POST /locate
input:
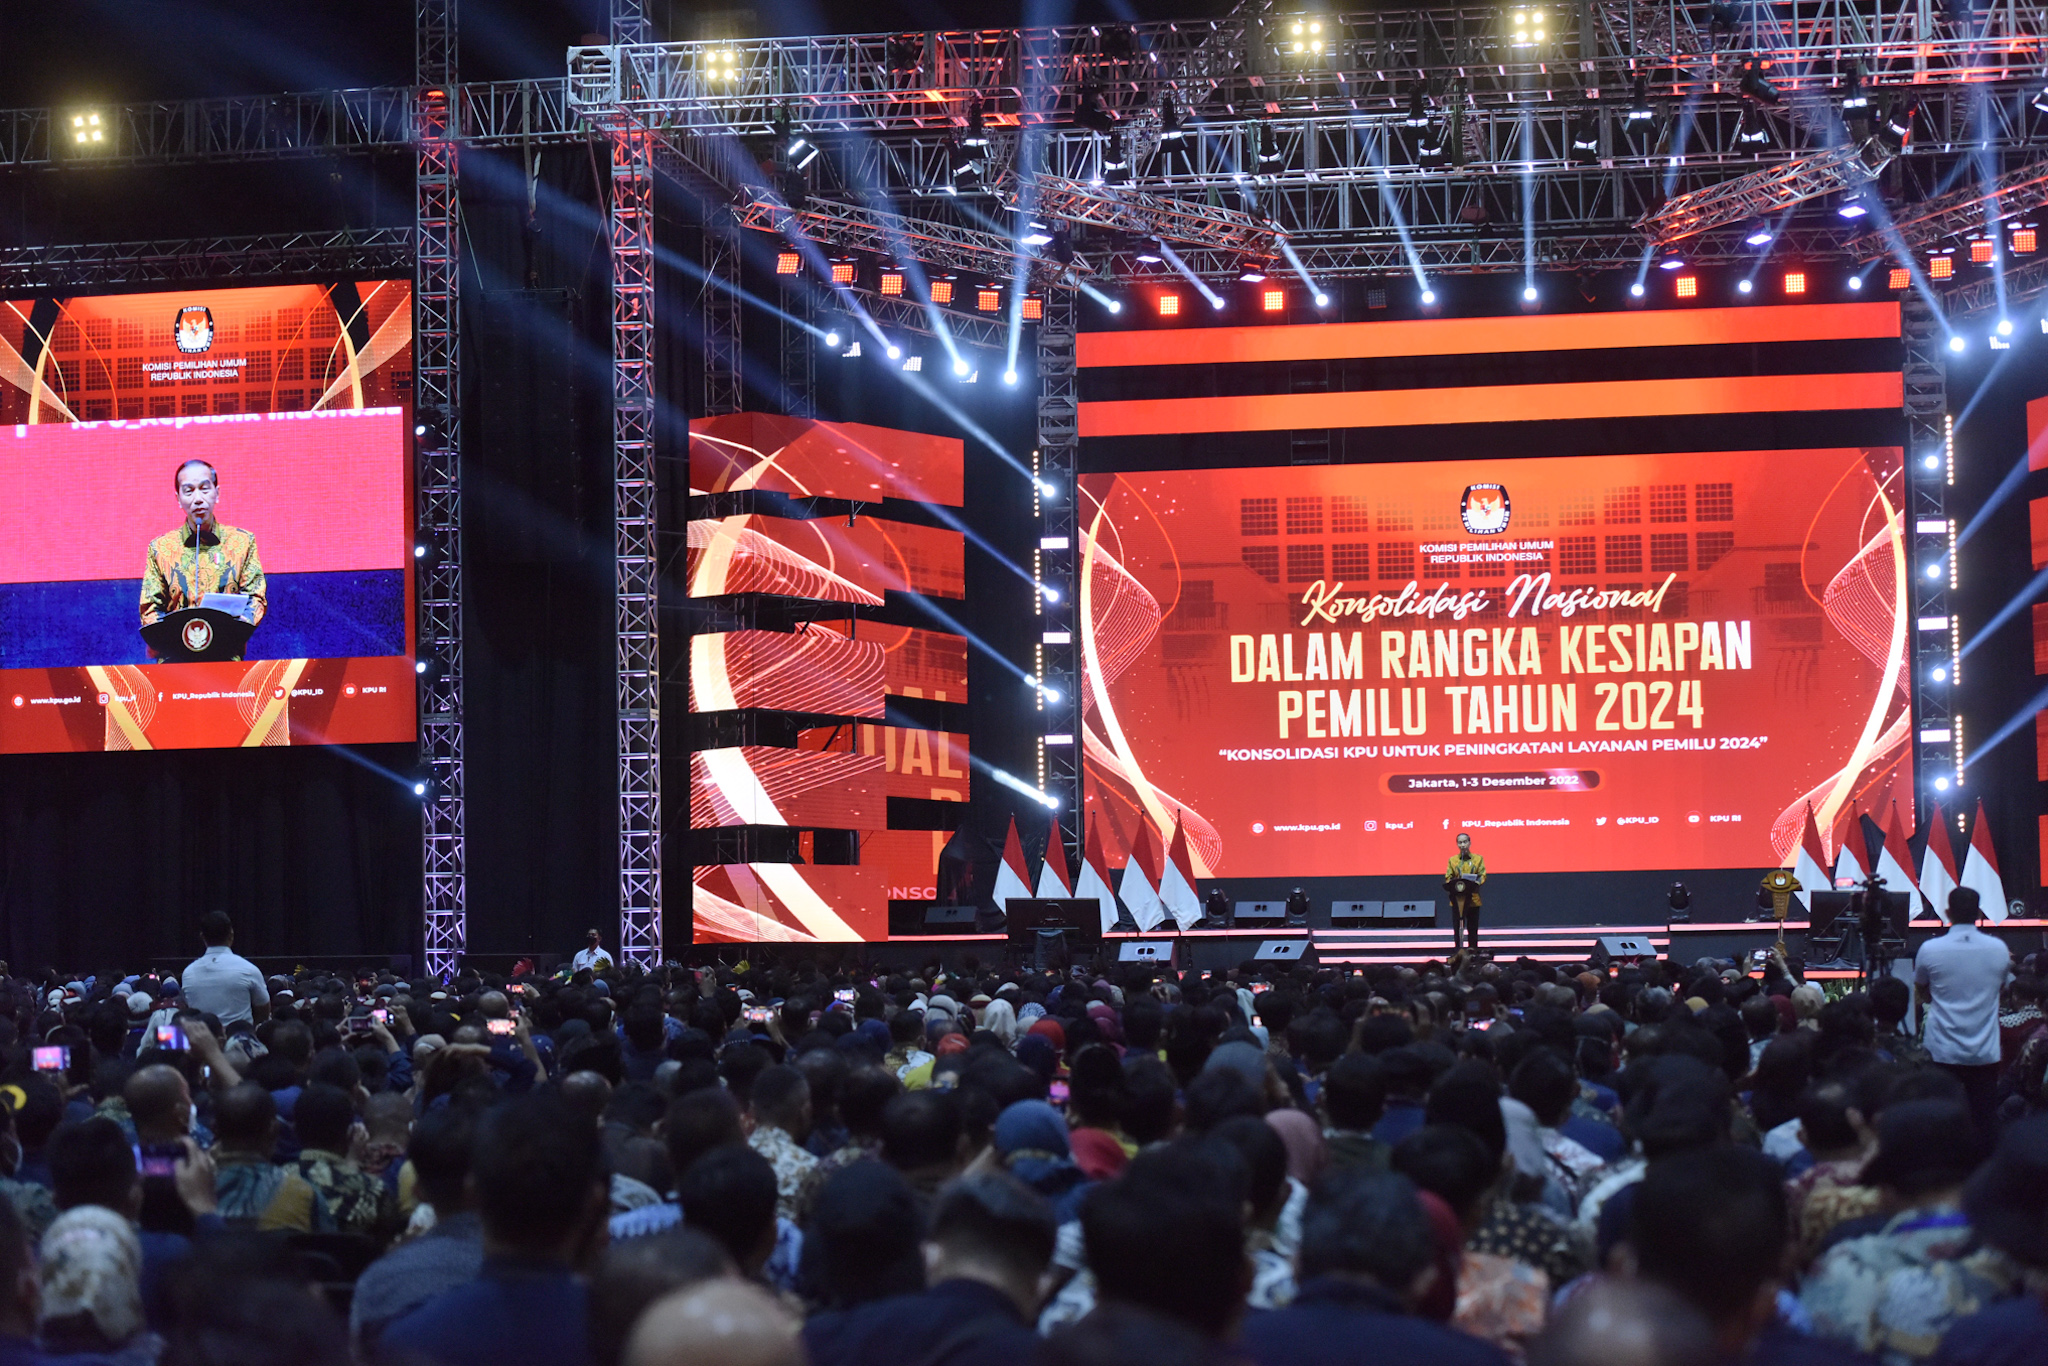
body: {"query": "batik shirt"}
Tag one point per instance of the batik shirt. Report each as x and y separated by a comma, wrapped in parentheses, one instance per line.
(1470, 867)
(1893, 1294)
(177, 574)
(357, 1201)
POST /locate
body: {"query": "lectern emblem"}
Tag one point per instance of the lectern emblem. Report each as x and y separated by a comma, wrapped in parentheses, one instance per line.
(1484, 509)
(198, 634)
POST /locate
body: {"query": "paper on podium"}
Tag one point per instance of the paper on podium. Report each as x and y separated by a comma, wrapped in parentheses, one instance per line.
(238, 605)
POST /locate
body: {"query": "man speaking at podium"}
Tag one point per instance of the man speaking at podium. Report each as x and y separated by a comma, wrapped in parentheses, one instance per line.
(201, 556)
(1463, 877)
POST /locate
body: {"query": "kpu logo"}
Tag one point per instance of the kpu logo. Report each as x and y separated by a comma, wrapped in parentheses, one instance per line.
(1484, 509)
(194, 329)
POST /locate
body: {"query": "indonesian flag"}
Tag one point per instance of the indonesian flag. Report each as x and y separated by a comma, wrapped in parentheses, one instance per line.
(1938, 865)
(1810, 866)
(1053, 882)
(1853, 841)
(1093, 883)
(1895, 858)
(1980, 868)
(1140, 889)
(1177, 881)
(1012, 879)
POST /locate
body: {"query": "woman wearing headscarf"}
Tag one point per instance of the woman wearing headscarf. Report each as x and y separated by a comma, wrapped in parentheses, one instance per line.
(1031, 1141)
(92, 1289)
(999, 1018)
(1307, 1155)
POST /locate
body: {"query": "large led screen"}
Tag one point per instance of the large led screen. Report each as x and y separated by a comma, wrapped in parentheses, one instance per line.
(1592, 662)
(218, 547)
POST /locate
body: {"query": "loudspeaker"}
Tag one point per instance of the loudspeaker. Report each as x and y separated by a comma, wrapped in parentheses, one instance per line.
(1283, 951)
(1260, 912)
(958, 919)
(1356, 912)
(1424, 911)
(1158, 951)
(1627, 946)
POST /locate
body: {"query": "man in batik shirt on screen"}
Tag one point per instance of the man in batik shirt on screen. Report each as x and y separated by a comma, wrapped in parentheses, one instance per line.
(201, 556)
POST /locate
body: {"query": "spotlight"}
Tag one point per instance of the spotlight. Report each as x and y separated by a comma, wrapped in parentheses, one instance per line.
(1940, 674)
(977, 127)
(1639, 108)
(1855, 282)
(1941, 784)
(1672, 263)
(1433, 146)
(1009, 376)
(961, 367)
(1930, 462)
(1636, 290)
(894, 352)
(1148, 253)
(1036, 234)
(1897, 129)
(1171, 134)
(431, 669)
(1852, 204)
(89, 128)
(1525, 27)
(1744, 287)
(1428, 296)
(1048, 489)
(963, 169)
(2040, 100)
(1855, 100)
(1529, 294)
(428, 789)
(1758, 234)
(1586, 136)
(1755, 84)
(1418, 108)
(1957, 344)
(831, 339)
(1250, 273)
(1933, 571)
(1305, 40)
(1322, 300)
(1752, 130)
(1269, 145)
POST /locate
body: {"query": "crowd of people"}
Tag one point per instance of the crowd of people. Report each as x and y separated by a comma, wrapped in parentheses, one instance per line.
(1658, 1164)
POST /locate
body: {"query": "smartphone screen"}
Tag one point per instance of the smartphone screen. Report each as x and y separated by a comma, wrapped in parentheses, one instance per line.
(844, 994)
(498, 1026)
(52, 1058)
(1058, 1093)
(158, 1159)
(172, 1037)
(757, 1014)
(381, 1015)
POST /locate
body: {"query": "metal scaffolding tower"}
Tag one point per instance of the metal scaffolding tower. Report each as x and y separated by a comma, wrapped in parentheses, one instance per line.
(437, 410)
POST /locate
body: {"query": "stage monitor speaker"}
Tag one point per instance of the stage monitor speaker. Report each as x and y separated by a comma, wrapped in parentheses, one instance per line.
(1284, 951)
(1158, 951)
(1357, 912)
(949, 919)
(1627, 946)
(1424, 911)
(1258, 913)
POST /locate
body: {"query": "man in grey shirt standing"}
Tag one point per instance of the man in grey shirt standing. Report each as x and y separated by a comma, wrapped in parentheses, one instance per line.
(1960, 975)
(222, 983)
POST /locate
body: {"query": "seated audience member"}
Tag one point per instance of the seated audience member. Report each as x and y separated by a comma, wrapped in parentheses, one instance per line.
(862, 1243)
(990, 1242)
(1352, 1098)
(1709, 1224)
(632, 1275)
(1366, 1260)
(254, 1192)
(542, 1192)
(1125, 1335)
(1831, 1190)
(1499, 1299)
(2007, 1206)
(924, 1138)
(723, 1322)
(92, 1289)
(449, 1254)
(781, 1103)
(1616, 1322)
(1177, 1197)
(30, 1200)
(356, 1201)
(863, 1096)
(730, 1194)
(1893, 1293)
(20, 1293)
(1265, 1160)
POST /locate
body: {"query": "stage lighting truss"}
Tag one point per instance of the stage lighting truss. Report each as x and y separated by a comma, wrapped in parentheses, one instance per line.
(1963, 210)
(939, 246)
(1765, 193)
(1139, 214)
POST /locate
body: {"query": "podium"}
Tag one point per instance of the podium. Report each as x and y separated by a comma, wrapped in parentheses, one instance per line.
(197, 635)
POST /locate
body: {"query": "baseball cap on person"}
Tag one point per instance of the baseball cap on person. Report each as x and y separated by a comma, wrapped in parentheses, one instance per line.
(140, 1003)
(1922, 1146)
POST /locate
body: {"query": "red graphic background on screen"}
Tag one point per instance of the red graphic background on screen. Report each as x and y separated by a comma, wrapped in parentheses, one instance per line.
(1659, 663)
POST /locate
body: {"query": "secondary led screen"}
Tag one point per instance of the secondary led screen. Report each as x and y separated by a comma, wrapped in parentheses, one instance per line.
(218, 551)
(1592, 662)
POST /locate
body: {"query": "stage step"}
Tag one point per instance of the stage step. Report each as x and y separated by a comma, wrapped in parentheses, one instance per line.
(1543, 944)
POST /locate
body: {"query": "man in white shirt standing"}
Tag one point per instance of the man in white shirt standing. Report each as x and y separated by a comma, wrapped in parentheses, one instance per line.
(592, 955)
(222, 983)
(1960, 975)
